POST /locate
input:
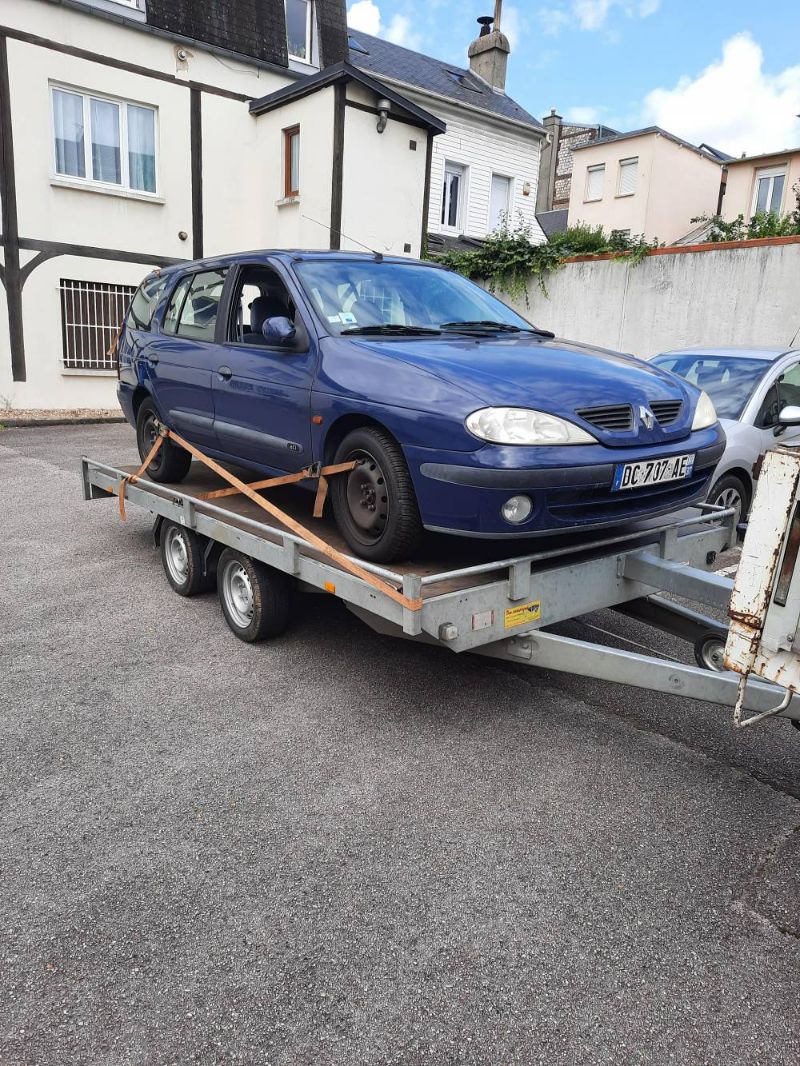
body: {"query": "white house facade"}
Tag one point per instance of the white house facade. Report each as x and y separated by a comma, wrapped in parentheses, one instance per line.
(133, 136)
(485, 167)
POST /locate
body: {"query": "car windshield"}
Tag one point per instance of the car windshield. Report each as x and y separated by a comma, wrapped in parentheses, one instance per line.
(728, 380)
(398, 299)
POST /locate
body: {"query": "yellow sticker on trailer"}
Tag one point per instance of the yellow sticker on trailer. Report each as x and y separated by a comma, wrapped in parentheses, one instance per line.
(525, 612)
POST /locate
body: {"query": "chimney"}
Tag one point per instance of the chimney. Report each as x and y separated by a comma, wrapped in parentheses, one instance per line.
(488, 53)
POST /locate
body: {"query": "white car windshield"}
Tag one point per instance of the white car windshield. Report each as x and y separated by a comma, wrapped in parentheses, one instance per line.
(729, 381)
(380, 297)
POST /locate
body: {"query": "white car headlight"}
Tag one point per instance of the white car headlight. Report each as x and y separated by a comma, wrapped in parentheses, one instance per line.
(519, 425)
(704, 415)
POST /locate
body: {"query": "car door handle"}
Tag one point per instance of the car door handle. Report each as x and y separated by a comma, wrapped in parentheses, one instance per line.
(225, 372)
(151, 359)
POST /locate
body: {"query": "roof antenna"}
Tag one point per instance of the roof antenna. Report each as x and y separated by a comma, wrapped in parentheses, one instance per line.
(377, 255)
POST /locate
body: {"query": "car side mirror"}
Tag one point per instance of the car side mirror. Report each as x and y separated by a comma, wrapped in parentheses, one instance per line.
(279, 330)
(789, 416)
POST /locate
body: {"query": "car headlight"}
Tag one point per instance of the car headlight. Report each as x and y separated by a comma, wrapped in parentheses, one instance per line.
(704, 414)
(519, 425)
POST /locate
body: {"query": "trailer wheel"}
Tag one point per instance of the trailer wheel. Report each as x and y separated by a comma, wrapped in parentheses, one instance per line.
(254, 598)
(182, 558)
(709, 652)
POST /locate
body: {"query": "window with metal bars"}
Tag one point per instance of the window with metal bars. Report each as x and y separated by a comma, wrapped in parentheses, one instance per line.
(91, 313)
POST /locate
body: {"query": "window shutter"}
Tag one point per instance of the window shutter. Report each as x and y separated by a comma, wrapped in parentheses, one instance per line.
(628, 170)
(594, 182)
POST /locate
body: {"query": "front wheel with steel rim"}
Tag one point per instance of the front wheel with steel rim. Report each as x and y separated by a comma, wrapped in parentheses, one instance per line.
(183, 559)
(254, 598)
(375, 504)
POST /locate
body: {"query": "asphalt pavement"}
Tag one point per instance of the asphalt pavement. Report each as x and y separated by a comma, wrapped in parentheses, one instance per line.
(338, 848)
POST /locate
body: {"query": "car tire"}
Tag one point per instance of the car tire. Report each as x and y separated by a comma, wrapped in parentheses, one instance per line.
(182, 556)
(254, 598)
(171, 463)
(375, 505)
(729, 491)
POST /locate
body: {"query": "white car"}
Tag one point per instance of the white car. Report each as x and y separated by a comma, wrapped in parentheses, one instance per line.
(752, 388)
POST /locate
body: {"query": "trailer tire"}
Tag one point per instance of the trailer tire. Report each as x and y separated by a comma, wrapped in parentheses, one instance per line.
(254, 598)
(709, 652)
(375, 505)
(182, 556)
(172, 462)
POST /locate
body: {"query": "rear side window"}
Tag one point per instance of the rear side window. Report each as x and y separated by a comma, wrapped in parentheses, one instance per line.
(144, 302)
(194, 306)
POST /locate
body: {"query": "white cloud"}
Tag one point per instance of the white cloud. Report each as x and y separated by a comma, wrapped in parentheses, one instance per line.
(733, 104)
(365, 15)
(513, 25)
(592, 14)
(588, 116)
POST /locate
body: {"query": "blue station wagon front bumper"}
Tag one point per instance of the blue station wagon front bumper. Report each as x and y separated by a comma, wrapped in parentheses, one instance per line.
(570, 487)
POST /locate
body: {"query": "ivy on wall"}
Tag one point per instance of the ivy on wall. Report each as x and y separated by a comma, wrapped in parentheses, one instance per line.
(508, 259)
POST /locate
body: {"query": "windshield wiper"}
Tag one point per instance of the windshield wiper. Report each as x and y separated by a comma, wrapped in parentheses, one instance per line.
(390, 329)
(486, 325)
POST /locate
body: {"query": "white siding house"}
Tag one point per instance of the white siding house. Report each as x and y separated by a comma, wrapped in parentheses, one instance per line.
(485, 167)
(125, 146)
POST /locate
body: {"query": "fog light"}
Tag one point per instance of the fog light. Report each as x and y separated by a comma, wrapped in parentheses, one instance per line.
(517, 509)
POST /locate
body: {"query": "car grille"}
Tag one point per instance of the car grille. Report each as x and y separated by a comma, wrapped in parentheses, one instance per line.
(666, 411)
(614, 417)
(577, 506)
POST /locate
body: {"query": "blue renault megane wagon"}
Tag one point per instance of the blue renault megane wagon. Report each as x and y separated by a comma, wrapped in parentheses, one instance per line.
(464, 418)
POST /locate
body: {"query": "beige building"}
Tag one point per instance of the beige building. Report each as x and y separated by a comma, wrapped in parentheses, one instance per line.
(646, 182)
(762, 183)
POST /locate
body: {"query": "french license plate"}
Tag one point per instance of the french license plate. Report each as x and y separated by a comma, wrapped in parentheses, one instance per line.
(652, 472)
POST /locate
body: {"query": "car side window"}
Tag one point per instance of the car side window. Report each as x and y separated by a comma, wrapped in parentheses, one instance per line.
(261, 294)
(197, 320)
(176, 305)
(144, 302)
(784, 391)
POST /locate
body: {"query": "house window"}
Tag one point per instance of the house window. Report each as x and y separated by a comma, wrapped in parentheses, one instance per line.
(499, 201)
(91, 312)
(452, 194)
(595, 181)
(104, 141)
(768, 194)
(628, 174)
(291, 161)
(298, 29)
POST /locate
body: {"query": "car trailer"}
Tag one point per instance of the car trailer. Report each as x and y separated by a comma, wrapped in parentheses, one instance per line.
(499, 606)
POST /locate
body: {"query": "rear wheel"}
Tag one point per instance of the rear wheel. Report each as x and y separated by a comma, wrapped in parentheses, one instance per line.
(171, 462)
(182, 556)
(254, 598)
(375, 504)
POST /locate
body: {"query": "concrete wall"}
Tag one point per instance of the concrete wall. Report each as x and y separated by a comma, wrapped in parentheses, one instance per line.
(674, 185)
(740, 190)
(725, 296)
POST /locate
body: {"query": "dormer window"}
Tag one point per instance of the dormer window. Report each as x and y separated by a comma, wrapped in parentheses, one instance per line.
(298, 29)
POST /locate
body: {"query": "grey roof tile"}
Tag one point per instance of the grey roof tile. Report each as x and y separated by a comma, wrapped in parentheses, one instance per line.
(382, 58)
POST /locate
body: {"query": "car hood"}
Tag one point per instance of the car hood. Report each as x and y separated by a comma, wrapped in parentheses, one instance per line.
(557, 376)
(528, 370)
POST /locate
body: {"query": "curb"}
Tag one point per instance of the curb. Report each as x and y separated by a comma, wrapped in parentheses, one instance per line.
(32, 423)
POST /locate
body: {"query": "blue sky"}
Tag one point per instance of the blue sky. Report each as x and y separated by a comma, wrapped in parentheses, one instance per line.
(722, 71)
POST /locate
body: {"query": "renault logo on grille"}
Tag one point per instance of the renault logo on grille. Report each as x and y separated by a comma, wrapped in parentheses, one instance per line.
(647, 417)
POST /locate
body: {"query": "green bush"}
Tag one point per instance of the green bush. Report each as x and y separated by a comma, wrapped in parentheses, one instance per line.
(761, 224)
(508, 258)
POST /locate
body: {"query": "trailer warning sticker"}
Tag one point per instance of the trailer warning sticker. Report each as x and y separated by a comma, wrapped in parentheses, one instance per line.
(525, 612)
